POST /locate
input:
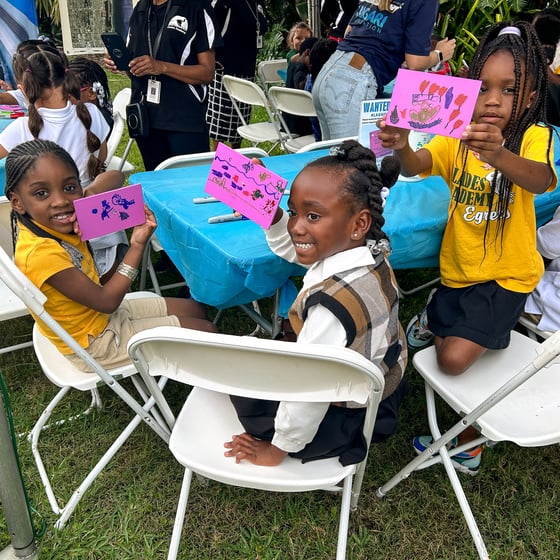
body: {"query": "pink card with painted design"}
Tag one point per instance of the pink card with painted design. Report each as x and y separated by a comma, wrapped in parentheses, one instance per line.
(111, 211)
(434, 103)
(246, 187)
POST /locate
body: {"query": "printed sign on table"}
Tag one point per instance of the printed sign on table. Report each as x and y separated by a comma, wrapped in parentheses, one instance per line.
(248, 188)
(372, 111)
(112, 211)
(432, 103)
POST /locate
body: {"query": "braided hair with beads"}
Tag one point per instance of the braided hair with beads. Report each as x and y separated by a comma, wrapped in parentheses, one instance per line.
(530, 68)
(355, 168)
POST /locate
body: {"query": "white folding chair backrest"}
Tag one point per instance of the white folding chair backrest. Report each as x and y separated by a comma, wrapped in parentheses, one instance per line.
(115, 135)
(218, 365)
(509, 394)
(63, 374)
(202, 158)
(322, 144)
(11, 307)
(291, 100)
(120, 101)
(245, 91)
(269, 71)
(295, 102)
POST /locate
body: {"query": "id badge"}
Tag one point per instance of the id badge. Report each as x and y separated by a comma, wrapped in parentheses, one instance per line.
(259, 41)
(154, 90)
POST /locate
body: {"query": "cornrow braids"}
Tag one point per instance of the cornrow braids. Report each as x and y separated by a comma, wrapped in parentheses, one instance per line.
(361, 181)
(19, 162)
(530, 69)
(40, 68)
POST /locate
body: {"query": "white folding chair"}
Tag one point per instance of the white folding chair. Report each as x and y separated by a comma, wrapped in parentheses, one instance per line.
(121, 100)
(11, 307)
(270, 72)
(323, 144)
(532, 330)
(245, 91)
(504, 402)
(218, 365)
(174, 162)
(64, 375)
(295, 102)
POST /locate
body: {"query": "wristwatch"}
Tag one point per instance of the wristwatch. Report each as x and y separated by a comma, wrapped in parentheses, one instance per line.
(439, 55)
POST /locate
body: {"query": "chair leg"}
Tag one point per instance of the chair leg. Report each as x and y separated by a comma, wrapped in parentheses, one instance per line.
(180, 516)
(344, 519)
(41, 424)
(438, 453)
(34, 440)
(71, 504)
(464, 505)
(15, 347)
(148, 267)
(403, 293)
(126, 152)
(102, 463)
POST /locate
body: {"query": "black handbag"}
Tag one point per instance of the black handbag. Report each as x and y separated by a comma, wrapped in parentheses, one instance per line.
(137, 119)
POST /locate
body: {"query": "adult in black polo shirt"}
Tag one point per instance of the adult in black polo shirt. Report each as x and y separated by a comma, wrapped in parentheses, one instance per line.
(172, 43)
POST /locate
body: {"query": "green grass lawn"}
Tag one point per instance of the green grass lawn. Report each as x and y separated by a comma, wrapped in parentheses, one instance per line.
(128, 513)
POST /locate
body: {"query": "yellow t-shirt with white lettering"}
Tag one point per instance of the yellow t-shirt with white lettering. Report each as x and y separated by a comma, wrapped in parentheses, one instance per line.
(40, 258)
(465, 258)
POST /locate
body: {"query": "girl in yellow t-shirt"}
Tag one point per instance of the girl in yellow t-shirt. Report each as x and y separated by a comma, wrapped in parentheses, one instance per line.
(488, 259)
(42, 183)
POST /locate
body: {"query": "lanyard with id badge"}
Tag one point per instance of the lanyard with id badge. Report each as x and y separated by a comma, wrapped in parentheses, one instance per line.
(153, 93)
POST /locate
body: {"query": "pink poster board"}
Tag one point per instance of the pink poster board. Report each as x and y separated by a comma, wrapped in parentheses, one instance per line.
(111, 211)
(432, 103)
(246, 187)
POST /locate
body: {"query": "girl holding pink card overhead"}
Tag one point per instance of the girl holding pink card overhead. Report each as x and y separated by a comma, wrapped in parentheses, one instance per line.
(488, 260)
(42, 183)
(381, 36)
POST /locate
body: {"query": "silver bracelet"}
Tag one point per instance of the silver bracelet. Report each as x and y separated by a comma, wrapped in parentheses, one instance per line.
(129, 271)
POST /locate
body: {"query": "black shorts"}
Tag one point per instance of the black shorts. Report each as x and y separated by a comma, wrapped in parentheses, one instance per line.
(482, 313)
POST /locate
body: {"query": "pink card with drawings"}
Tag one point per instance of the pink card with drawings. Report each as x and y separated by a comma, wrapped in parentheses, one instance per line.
(111, 211)
(248, 188)
(433, 103)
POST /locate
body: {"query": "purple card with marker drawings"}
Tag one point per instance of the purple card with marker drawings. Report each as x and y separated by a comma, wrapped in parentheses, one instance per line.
(110, 211)
(248, 188)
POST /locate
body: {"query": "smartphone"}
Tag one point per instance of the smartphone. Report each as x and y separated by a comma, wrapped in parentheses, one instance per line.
(117, 49)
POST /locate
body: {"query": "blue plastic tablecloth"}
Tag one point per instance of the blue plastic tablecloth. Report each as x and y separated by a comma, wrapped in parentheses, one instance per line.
(229, 264)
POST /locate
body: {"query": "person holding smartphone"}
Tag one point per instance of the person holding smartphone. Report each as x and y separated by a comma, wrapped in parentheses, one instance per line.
(172, 44)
